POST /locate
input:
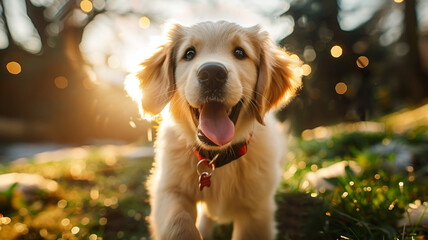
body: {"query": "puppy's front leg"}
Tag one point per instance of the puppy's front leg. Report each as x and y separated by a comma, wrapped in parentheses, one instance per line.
(255, 224)
(173, 217)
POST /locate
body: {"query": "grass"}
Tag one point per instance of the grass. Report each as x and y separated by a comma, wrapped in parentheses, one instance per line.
(367, 205)
(104, 197)
(96, 199)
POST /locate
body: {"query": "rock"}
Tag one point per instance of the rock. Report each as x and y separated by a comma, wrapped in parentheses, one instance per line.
(27, 184)
(414, 212)
(316, 179)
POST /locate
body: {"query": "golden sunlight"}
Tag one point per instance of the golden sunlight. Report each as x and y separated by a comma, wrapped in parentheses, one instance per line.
(132, 87)
(199, 207)
(132, 83)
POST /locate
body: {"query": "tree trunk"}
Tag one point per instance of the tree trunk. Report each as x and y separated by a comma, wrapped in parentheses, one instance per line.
(417, 79)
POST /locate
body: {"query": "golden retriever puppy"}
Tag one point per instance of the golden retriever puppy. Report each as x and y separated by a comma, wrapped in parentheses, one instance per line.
(218, 148)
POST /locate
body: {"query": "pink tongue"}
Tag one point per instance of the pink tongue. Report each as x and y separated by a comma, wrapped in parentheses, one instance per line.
(215, 123)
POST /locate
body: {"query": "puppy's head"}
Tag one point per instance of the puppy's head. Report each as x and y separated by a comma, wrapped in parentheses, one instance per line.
(219, 79)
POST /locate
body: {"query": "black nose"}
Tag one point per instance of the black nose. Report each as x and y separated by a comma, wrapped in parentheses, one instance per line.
(212, 75)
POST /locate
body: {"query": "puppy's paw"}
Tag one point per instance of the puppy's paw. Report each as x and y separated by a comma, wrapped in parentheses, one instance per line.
(182, 227)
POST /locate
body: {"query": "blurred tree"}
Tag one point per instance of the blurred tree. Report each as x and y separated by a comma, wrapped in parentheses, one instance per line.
(53, 96)
(354, 73)
(418, 87)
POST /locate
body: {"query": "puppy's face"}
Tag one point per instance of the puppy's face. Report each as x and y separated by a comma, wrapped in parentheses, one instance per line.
(216, 72)
(219, 77)
(216, 64)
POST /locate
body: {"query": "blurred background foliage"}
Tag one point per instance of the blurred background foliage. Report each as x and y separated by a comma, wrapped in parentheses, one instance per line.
(358, 185)
(357, 168)
(48, 90)
(363, 59)
(357, 72)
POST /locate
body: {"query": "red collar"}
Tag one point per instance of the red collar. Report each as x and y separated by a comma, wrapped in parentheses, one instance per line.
(224, 156)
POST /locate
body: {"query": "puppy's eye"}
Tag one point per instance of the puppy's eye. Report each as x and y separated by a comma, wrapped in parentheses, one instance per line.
(189, 54)
(239, 53)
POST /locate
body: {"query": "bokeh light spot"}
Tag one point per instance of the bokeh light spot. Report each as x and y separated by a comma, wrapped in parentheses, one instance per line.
(61, 82)
(95, 194)
(62, 203)
(314, 167)
(123, 188)
(93, 237)
(13, 68)
(362, 62)
(86, 6)
(21, 228)
(341, 88)
(144, 22)
(306, 69)
(309, 54)
(99, 4)
(85, 221)
(132, 124)
(44, 233)
(5, 220)
(336, 51)
(65, 222)
(75, 230)
(88, 84)
(102, 221)
(295, 57)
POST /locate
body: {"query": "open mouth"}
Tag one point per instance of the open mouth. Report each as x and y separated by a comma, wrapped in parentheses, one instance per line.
(216, 123)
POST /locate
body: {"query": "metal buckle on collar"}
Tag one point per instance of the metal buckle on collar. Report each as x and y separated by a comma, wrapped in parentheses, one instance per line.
(205, 176)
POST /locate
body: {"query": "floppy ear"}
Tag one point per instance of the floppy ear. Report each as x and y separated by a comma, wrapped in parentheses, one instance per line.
(277, 82)
(157, 76)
